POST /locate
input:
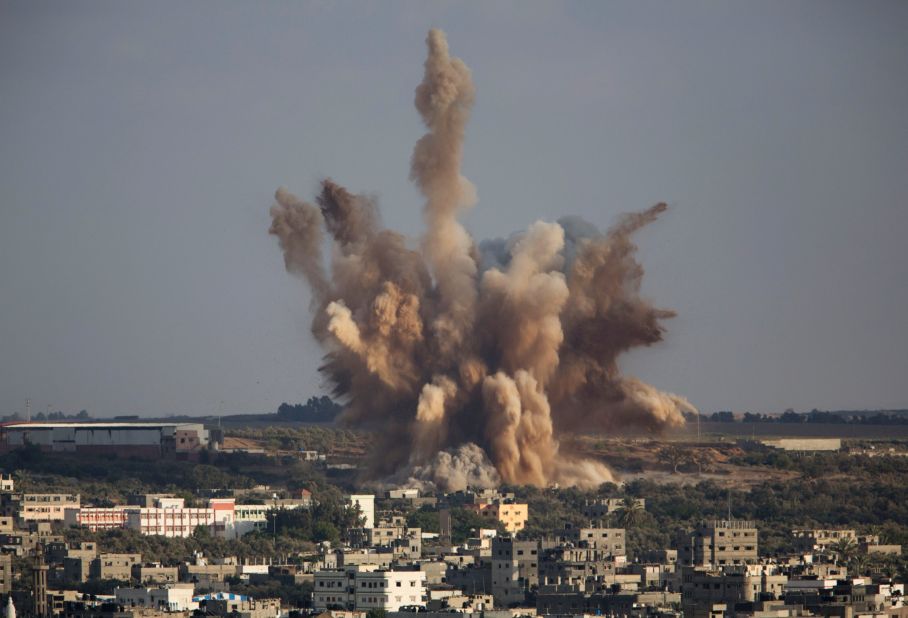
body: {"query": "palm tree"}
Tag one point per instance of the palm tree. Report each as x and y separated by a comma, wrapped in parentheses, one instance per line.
(845, 549)
(630, 512)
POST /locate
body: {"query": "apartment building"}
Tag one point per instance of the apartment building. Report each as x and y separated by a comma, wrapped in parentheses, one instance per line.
(362, 588)
(40, 507)
(114, 566)
(515, 569)
(513, 516)
(366, 505)
(155, 573)
(704, 587)
(610, 540)
(390, 590)
(718, 543)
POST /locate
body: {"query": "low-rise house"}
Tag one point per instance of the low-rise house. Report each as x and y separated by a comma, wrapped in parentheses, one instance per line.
(164, 598)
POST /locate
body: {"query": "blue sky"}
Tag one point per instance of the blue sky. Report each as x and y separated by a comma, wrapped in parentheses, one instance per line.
(141, 144)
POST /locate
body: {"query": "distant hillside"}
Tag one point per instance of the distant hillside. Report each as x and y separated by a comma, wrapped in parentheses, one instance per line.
(839, 417)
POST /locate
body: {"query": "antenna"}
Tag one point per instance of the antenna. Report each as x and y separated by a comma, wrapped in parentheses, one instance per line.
(729, 504)
(28, 410)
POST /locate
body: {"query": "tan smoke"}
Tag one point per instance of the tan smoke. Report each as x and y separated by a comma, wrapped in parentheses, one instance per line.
(470, 359)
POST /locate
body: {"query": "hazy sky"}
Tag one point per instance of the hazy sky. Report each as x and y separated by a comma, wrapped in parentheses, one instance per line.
(140, 145)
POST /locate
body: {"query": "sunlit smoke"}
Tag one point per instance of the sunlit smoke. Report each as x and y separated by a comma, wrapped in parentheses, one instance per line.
(471, 359)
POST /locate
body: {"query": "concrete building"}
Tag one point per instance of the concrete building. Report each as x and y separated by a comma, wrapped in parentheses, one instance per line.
(6, 573)
(603, 507)
(39, 507)
(610, 540)
(155, 573)
(515, 570)
(165, 598)
(362, 588)
(513, 516)
(622, 603)
(390, 590)
(95, 518)
(704, 587)
(718, 543)
(815, 539)
(170, 518)
(366, 504)
(114, 566)
(149, 440)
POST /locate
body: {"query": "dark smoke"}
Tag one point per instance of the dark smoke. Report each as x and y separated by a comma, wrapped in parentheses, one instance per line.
(470, 360)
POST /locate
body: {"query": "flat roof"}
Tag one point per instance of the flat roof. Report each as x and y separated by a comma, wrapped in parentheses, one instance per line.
(95, 425)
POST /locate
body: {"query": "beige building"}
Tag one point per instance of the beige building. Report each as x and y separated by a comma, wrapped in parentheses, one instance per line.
(45, 507)
(114, 566)
(512, 516)
(155, 574)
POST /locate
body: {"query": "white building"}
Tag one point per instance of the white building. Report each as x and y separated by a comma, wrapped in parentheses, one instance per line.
(390, 590)
(365, 587)
(95, 518)
(168, 599)
(366, 504)
(169, 518)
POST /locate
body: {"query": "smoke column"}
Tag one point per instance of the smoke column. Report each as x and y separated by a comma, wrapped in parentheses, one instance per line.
(469, 360)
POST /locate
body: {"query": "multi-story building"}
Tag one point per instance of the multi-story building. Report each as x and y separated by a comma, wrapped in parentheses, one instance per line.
(155, 573)
(718, 543)
(366, 504)
(95, 518)
(816, 539)
(6, 573)
(363, 588)
(174, 522)
(610, 540)
(76, 569)
(515, 569)
(390, 590)
(513, 516)
(39, 507)
(704, 587)
(113, 566)
(7, 485)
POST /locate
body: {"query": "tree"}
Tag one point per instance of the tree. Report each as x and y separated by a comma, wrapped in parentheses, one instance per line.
(845, 549)
(673, 456)
(630, 512)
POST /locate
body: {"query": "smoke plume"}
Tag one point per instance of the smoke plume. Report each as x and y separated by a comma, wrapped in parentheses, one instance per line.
(471, 360)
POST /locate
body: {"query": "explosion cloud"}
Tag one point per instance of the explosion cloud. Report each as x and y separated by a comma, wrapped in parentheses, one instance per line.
(471, 360)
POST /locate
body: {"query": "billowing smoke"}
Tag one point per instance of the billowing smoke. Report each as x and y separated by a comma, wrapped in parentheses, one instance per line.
(470, 360)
